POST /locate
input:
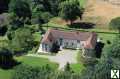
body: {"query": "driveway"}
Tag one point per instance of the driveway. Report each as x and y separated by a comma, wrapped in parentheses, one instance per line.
(61, 58)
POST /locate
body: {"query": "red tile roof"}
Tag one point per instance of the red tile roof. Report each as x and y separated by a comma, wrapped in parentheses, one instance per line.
(90, 38)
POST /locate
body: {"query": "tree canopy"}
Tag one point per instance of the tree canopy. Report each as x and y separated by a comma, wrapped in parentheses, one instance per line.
(115, 23)
(70, 10)
(20, 7)
(22, 40)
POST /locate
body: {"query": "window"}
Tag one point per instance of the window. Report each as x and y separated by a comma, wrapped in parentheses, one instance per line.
(72, 44)
(78, 41)
(45, 47)
(66, 43)
(61, 40)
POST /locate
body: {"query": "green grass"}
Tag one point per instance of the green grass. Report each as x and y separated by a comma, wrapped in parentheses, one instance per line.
(37, 36)
(106, 37)
(79, 66)
(6, 74)
(53, 24)
(31, 61)
(82, 3)
(36, 61)
(3, 37)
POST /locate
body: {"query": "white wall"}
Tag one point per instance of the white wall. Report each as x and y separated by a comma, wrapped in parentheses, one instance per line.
(70, 43)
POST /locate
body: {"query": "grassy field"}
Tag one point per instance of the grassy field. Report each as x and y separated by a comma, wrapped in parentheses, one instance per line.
(106, 37)
(36, 62)
(82, 2)
(31, 61)
(55, 24)
(6, 74)
(79, 66)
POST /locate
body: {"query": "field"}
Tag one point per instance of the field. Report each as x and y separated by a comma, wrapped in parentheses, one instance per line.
(31, 61)
(101, 11)
(79, 66)
(6, 74)
(82, 3)
(36, 62)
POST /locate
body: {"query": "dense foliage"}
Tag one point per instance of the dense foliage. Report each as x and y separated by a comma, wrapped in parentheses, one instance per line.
(115, 23)
(70, 10)
(28, 17)
(45, 72)
(22, 40)
(4, 6)
(6, 58)
(20, 7)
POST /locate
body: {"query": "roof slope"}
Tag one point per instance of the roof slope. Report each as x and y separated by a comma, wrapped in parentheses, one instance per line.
(53, 34)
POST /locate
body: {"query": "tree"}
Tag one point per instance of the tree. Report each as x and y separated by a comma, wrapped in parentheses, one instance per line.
(41, 17)
(114, 50)
(4, 6)
(102, 69)
(50, 6)
(70, 10)
(28, 72)
(115, 23)
(20, 7)
(67, 67)
(4, 22)
(109, 60)
(22, 40)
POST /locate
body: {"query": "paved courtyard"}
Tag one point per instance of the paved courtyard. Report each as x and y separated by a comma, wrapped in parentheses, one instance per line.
(61, 58)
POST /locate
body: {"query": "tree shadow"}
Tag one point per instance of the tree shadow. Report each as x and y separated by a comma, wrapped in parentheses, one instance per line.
(9, 65)
(3, 30)
(98, 49)
(82, 25)
(55, 48)
(7, 61)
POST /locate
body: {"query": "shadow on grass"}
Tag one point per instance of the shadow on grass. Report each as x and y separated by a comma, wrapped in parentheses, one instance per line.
(82, 25)
(98, 49)
(9, 65)
(7, 61)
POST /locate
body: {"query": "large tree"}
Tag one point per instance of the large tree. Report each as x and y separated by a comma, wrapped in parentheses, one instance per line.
(28, 72)
(114, 50)
(4, 6)
(22, 41)
(50, 6)
(115, 23)
(70, 10)
(20, 7)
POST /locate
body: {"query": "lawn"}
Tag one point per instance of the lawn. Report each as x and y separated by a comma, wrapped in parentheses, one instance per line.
(31, 61)
(36, 61)
(82, 3)
(106, 37)
(78, 67)
(6, 74)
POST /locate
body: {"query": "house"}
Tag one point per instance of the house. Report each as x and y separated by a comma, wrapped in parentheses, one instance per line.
(69, 39)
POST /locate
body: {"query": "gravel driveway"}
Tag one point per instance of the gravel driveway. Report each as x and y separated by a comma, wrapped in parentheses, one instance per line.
(61, 58)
